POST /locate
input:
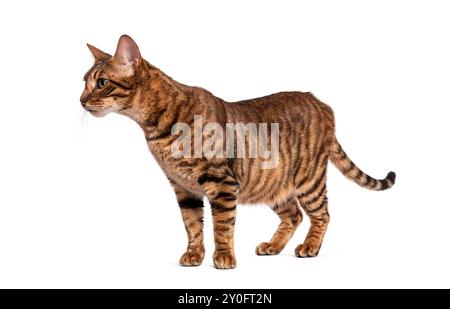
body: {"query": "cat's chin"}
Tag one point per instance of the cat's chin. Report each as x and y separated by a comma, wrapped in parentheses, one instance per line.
(98, 114)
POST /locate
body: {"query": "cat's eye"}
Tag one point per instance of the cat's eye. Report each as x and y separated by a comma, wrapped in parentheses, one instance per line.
(102, 82)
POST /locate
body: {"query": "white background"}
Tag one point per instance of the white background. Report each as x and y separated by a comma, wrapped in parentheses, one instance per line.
(83, 203)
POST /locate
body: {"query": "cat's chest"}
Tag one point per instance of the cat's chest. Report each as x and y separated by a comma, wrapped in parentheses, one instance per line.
(176, 169)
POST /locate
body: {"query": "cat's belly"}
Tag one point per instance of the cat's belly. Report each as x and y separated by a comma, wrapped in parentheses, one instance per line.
(268, 186)
(256, 184)
(279, 195)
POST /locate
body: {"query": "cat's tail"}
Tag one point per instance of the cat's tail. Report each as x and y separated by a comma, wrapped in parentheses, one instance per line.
(340, 159)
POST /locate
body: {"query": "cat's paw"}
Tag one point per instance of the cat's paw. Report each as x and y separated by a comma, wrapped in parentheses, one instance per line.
(224, 260)
(191, 259)
(307, 250)
(267, 248)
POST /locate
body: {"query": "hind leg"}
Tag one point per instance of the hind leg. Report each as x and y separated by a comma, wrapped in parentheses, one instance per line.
(315, 204)
(291, 217)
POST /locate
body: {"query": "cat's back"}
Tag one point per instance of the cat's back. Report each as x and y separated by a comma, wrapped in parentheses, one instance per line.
(277, 106)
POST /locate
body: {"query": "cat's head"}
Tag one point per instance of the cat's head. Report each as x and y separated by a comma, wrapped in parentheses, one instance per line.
(112, 80)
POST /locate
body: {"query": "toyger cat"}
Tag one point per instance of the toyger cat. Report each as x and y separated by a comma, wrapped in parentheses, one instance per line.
(127, 84)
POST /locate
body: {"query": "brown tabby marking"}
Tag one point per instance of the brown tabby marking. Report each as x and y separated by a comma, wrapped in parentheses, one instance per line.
(291, 217)
(127, 84)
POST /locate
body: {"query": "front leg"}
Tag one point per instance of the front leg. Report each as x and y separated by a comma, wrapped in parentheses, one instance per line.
(222, 194)
(191, 207)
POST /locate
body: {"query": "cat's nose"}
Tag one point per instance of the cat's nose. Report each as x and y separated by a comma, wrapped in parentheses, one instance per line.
(84, 99)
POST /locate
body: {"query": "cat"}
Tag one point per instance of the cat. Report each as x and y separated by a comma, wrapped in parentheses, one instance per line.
(127, 84)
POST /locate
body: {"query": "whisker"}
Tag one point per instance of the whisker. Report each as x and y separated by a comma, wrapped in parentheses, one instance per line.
(83, 123)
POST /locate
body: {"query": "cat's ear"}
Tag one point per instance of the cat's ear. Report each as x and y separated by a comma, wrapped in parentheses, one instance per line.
(127, 53)
(98, 54)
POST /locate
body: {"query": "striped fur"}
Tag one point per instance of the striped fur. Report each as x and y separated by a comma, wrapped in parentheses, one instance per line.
(340, 159)
(156, 102)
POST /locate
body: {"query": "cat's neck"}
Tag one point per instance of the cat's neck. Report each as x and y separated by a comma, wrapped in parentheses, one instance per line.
(156, 101)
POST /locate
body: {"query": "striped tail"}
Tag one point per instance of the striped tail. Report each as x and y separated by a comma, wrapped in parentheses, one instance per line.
(340, 159)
